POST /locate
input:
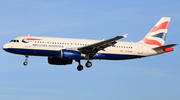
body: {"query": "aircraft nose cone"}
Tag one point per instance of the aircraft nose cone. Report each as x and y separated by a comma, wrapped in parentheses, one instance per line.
(5, 46)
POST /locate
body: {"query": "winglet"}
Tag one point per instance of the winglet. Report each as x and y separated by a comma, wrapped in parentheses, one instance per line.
(125, 36)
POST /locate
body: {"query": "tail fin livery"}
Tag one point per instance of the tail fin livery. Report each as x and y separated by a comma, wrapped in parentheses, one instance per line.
(158, 33)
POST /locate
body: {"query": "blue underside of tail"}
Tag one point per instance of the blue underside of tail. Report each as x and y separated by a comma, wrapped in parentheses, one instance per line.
(56, 53)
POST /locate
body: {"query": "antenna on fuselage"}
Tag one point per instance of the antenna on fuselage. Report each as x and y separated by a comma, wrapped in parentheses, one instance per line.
(28, 34)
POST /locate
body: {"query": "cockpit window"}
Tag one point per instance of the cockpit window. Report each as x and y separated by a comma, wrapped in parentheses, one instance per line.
(14, 41)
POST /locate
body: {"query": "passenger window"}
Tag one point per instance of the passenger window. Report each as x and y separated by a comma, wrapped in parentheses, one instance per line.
(17, 40)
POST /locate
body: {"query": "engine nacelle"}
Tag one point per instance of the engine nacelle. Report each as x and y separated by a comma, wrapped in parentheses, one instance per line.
(70, 54)
(58, 61)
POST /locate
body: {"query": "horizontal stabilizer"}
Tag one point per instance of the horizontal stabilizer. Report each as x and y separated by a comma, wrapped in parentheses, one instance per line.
(164, 47)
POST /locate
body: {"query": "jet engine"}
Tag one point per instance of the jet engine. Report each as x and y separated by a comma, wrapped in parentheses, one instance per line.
(58, 61)
(70, 54)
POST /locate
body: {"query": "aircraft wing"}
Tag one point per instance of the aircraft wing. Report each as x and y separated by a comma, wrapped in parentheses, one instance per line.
(94, 48)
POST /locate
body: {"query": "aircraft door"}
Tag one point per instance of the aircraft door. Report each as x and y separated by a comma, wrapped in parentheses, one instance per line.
(140, 49)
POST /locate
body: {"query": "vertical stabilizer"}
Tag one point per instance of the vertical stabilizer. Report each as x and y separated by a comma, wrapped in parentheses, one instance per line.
(158, 33)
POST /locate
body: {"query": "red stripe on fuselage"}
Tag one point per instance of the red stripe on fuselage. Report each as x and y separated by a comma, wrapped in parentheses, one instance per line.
(31, 39)
(164, 25)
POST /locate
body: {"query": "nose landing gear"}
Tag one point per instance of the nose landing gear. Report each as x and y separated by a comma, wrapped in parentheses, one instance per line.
(26, 58)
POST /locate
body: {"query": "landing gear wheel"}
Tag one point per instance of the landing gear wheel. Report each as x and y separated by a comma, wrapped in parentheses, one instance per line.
(25, 63)
(88, 64)
(80, 67)
(26, 58)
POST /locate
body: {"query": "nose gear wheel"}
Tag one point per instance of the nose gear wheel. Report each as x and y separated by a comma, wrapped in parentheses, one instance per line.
(26, 58)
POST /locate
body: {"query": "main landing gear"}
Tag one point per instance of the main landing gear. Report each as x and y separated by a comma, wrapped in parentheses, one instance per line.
(88, 64)
(80, 67)
(26, 58)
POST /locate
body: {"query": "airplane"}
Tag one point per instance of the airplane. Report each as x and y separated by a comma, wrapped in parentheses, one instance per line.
(62, 51)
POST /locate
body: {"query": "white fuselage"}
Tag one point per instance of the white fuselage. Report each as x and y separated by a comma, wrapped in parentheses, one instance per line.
(49, 46)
